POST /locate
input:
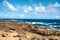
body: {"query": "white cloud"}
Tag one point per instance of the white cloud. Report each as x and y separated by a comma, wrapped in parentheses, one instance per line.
(9, 5)
(53, 8)
(8, 16)
(35, 9)
(21, 16)
(39, 9)
(55, 5)
(26, 9)
(57, 16)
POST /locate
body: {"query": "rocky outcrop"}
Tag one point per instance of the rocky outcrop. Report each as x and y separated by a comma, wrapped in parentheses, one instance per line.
(22, 31)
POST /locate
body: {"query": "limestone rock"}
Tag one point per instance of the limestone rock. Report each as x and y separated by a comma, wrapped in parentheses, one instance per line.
(21, 31)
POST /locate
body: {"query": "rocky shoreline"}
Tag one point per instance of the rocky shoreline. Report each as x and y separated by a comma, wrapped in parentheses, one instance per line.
(22, 31)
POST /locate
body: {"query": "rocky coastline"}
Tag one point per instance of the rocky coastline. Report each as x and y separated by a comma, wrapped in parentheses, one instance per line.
(22, 31)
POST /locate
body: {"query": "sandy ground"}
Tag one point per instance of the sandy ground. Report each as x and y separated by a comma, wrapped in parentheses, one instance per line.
(22, 31)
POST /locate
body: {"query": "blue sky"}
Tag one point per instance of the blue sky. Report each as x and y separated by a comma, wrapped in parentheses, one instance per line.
(30, 9)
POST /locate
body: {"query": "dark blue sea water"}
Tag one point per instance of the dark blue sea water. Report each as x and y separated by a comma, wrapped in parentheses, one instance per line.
(52, 23)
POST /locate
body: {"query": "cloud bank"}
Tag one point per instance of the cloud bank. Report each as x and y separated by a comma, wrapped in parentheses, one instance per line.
(37, 9)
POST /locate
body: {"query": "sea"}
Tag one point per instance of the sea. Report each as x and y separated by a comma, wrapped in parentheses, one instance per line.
(51, 23)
